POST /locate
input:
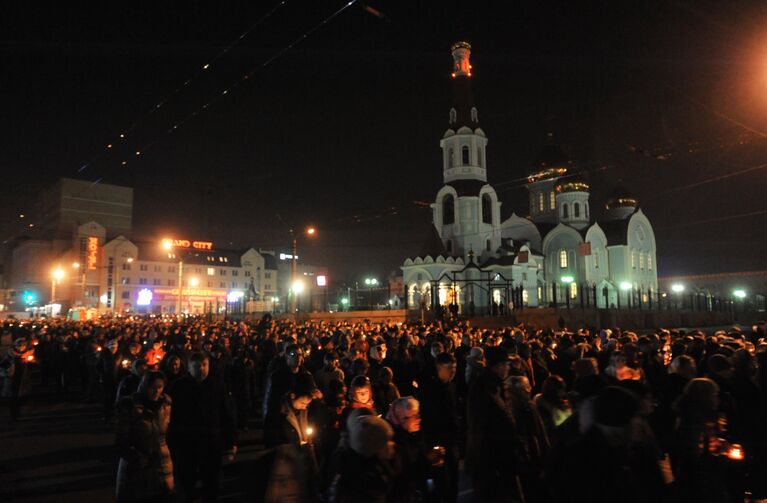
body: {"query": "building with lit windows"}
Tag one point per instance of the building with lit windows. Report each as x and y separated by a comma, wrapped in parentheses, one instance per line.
(84, 265)
(558, 254)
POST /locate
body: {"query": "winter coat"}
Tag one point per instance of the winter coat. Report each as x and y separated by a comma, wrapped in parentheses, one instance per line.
(410, 467)
(14, 375)
(287, 426)
(145, 469)
(361, 480)
(491, 444)
(202, 413)
(439, 413)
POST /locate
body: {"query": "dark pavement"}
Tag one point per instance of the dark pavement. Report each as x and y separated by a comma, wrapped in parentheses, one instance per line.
(61, 451)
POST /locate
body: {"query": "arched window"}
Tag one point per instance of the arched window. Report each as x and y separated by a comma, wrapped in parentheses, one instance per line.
(474, 114)
(565, 212)
(488, 245)
(453, 115)
(563, 259)
(487, 209)
(540, 201)
(552, 200)
(576, 210)
(465, 155)
(573, 290)
(448, 209)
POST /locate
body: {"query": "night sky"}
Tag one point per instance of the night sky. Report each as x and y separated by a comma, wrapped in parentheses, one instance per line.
(342, 131)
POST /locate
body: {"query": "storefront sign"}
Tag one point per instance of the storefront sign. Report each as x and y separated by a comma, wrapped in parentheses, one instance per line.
(93, 253)
(197, 245)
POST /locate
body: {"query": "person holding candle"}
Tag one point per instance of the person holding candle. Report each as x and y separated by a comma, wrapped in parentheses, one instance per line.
(15, 373)
(290, 424)
(145, 471)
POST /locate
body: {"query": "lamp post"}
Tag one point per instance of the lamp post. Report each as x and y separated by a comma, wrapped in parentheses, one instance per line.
(370, 282)
(311, 232)
(57, 276)
(167, 245)
(567, 280)
(626, 287)
(740, 295)
(677, 288)
(296, 288)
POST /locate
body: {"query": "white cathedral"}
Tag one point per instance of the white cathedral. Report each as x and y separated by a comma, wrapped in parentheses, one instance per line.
(556, 256)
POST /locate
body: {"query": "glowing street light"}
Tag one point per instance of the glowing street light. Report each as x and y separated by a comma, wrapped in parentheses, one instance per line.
(741, 294)
(567, 279)
(56, 276)
(193, 282)
(310, 231)
(677, 288)
(625, 286)
(297, 286)
(370, 282)
(167, 244)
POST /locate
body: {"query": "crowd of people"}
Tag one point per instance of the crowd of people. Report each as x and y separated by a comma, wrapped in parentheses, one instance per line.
(413, 412)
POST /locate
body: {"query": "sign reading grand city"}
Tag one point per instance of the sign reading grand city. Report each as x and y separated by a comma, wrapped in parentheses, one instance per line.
(185, 243)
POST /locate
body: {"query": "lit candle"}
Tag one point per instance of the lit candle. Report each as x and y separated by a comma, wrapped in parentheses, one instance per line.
(735, 452)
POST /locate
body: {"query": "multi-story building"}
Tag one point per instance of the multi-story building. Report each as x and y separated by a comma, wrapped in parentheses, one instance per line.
(163, 277)
(82, 256)
(69, 203)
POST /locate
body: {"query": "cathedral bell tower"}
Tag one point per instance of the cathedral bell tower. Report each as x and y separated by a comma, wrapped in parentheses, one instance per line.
(466, 212)
(463, 144)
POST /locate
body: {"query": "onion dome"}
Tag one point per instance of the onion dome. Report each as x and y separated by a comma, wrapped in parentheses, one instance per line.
(621, 198)
(574, 183)
(550, 163)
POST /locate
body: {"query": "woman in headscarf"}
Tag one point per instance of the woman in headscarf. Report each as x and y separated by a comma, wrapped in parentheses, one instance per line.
(145, 471)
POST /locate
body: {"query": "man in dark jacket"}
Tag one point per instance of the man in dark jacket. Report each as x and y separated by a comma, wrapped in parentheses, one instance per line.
(439, 417)
(201, 429)
(491, 446)
(282, 379)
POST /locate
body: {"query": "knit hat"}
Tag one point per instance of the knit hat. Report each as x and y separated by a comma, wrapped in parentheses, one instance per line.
(718, 363)
(615, 406)
(477, 354)
(303, 385)
(369, 436)
(496, 355)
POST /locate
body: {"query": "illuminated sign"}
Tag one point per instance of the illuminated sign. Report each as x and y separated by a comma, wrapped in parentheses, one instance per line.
(322, 281)
(234, 296)
(185, 243)
(197, 292)
(93, 253)
(144, 297)
(287, 256)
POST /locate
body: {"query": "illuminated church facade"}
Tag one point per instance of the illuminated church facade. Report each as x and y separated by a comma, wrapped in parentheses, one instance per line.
(557, 255)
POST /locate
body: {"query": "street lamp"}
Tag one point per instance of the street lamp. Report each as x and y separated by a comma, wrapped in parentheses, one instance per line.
(167, 245)
(626, 286)
(57, 276)
(311, 232)
(370, 282)
(741, 294)
(677, 288)
(295, 290)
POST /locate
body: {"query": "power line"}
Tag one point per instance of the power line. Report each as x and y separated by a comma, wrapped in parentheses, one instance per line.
(203, 69)
(140, 151)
